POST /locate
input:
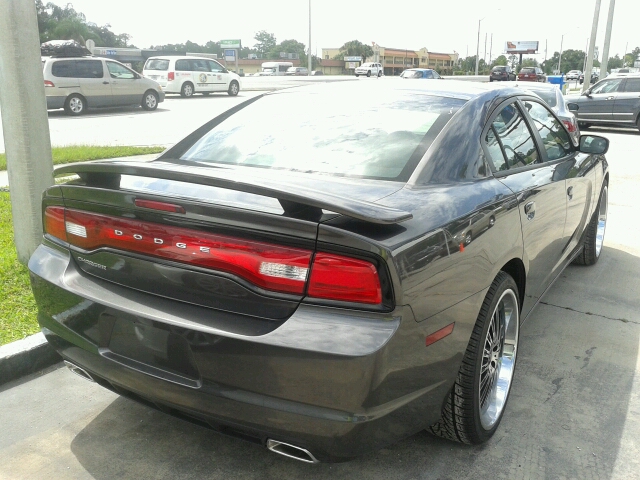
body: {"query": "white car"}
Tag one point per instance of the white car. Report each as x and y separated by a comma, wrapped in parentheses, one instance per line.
(369, 69)
(187, 75)
(573, 75)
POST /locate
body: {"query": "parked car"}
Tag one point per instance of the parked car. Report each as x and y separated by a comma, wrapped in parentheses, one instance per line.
(614, 101)
(369, 69)
(595, 76)
(297, 71)
(501, 73)
(318, 297)
(78, 83)
(573, 74)
(532, 74)
(188, 75)
(426, 73)
(554, 98)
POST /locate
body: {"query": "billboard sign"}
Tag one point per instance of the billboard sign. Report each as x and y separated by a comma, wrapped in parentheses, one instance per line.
(230, 55)
(230, 44)
(520, 47)
(352, 59)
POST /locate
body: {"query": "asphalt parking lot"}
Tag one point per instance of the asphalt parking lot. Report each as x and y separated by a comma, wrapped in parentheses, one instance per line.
(574, 412)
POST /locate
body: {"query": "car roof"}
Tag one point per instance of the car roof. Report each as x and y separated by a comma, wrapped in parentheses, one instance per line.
(178, 57)
(419, 69)
(531, 85)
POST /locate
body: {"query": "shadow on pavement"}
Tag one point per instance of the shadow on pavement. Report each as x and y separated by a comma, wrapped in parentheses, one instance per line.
(568, 416)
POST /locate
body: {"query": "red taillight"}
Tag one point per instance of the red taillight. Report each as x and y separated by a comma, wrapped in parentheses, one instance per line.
(48, 83)
(272, 267)
(171, 76)
(342, 278)
(54, 222)
(570, 126)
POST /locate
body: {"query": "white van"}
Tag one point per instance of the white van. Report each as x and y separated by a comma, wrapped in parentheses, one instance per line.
(78, 83)
(275, 68)
(187, 75)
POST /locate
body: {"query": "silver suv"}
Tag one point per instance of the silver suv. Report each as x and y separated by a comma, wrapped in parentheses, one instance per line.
(369, 69)
(78, 83)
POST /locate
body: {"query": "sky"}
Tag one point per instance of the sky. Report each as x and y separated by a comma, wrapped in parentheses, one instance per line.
(411, 24)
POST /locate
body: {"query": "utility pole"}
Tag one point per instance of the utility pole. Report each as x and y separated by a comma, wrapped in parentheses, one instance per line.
(485, 49)
(490, 49)
(309, 56)
(560, 57)
(607, 40)
(478, 47)
(24, 121)
(592, 45)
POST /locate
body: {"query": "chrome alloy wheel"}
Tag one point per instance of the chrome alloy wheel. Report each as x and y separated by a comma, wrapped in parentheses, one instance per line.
(234, 88)
(498, 359)
(76, 105)
(602, 220)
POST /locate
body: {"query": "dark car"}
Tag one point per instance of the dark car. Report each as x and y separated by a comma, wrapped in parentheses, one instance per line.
(501, 73)
(531, 74)
(327, 295)
(594, 77)
(614, 101)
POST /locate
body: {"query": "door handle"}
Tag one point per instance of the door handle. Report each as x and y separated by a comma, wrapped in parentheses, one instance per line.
(610, 98)
(105, 83)
(530, 210)
(570, 192)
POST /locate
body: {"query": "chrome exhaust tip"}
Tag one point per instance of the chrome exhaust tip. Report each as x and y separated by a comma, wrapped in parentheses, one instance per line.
(291, 451)
(81, 372)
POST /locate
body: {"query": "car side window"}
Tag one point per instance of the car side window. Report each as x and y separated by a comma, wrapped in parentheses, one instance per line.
(182, 65)
(89, 69)
(510, 130)
(215, 66)
(555, 138)
(633, 85)
(119, 71)
(64, 69)
(608, 86)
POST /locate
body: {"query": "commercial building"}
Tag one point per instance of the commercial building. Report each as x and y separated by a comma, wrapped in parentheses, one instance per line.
(394, 60)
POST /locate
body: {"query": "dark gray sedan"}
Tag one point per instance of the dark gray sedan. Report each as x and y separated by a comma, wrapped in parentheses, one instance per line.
(330, 280)
(614, 101)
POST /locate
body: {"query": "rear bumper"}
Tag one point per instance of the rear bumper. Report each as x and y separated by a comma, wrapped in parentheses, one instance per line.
(338, 383)
(55, 102)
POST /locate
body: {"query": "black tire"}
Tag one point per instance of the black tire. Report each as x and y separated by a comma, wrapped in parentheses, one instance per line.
(463, 419)
(75, 104)
(357, 75)
(638, 123)
(584, 126)
(594, 234)
(379, 73)
(369, 73)
(150, 100)
(234, 88)
(187, 90)
(490, 79)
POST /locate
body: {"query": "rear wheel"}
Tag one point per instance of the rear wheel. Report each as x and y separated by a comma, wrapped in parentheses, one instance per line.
(150, 100)
(476, 402)
(187, 90)
(357, 75)
(638, 123)
(379, 73)
(75, 104)
(594, 235)
(234, 88)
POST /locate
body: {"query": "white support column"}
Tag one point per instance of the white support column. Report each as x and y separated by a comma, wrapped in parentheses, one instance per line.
(24, 121)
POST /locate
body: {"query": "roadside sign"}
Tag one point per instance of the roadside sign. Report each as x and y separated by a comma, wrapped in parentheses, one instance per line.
(230, 55)
(520, 47)
(351, 65)
(353, 59)
(230, 44)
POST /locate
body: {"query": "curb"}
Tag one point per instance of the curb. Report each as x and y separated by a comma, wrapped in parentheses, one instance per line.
(26, 356)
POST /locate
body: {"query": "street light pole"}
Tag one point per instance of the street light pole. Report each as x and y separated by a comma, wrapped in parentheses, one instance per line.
(478, 46)
(592, 44)
(560, 58)
(309, 56)
(607, 41)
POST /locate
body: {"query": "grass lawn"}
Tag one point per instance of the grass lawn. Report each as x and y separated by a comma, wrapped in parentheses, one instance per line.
(18, 307)
(82, 153)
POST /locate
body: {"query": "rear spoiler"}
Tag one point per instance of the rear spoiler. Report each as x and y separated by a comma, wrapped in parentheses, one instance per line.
(292, 197)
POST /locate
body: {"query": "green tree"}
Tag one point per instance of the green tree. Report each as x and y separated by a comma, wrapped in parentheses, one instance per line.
(501, 60)
(289, 46)
(614, 62)
(571, 60)
(354, 48)
(265, 42)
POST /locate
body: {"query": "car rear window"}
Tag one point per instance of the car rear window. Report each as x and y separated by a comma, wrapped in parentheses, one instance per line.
(333, 133)
(528, 70)
(499, 69)
(156, 64)
(549, 96)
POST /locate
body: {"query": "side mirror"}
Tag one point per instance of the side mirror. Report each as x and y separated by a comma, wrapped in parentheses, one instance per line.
(573, 107)
(594, 144)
